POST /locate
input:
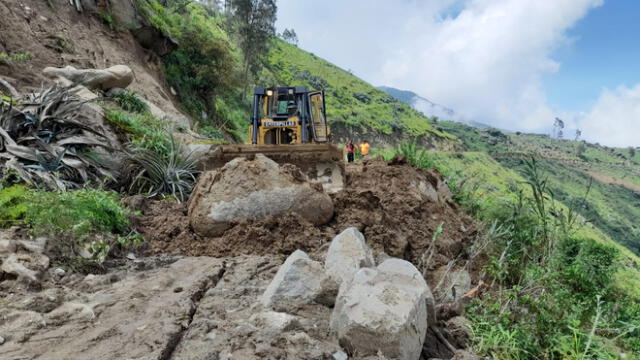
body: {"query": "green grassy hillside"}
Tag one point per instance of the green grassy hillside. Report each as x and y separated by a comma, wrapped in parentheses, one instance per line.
(604, 181)
(354, 107)
(206, 71)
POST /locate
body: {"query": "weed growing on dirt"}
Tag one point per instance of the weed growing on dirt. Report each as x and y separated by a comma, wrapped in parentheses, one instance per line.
(16, 57)
(13, 205)
(415, 156)
(153, 173)
(141, 130)
(81, 226)
(131, 102)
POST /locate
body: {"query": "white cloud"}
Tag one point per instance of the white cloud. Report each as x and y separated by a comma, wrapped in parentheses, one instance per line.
(614, 119)
(485, 61)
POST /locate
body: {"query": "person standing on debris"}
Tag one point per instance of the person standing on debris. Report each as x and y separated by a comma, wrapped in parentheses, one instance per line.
(364, 150)
(351, 150)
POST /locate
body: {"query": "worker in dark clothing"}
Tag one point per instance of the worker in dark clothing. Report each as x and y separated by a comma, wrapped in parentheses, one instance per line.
(351, 150)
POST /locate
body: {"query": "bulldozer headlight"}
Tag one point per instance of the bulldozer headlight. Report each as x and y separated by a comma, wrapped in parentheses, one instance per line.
(269, 93)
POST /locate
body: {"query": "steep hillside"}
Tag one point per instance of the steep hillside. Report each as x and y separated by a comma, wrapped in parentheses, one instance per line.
(604, 182)
(36, 34)
(355, 109)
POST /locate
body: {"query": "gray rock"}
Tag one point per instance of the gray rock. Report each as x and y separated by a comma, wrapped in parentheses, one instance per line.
(254, 189)
(60, 272)
(383, 310)
(297, 282)
(340, 355)
(1, 340)
(119, 76)
(347, 253)
(278, 321)
(27, 266)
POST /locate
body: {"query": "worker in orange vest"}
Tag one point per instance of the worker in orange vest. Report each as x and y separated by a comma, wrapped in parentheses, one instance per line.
(364, 150)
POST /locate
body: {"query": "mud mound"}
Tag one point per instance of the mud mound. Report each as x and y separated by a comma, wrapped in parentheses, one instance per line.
(397, 207)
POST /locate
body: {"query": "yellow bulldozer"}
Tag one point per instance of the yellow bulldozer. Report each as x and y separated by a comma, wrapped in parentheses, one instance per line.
(288, 125)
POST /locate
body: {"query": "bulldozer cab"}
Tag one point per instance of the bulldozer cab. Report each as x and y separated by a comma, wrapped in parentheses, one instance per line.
(289, 126)
(288, 115)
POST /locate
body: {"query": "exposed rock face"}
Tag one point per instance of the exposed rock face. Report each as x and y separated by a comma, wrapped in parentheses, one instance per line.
(118, 76)
(254, 189)
(297, 282)
(383, 310)
(22, 258)
(347, 253)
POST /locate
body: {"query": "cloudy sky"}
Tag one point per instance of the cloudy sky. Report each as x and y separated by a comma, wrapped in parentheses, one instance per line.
(515, 64)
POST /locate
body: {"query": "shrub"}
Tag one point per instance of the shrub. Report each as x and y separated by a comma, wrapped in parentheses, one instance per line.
(153, 173)
(76, 223)
(130, 101)
(416, 157)
(13, 205)
(144, 130)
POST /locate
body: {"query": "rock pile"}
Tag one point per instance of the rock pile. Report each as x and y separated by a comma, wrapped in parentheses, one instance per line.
(378, 309)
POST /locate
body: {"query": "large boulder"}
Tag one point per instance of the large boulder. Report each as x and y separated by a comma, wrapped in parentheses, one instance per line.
(297, 282)
(347, 253)
(254, 189)
(383, 310)
(118, 76)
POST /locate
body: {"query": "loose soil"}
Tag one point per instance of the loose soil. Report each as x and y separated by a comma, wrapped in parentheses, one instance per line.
(382, 200)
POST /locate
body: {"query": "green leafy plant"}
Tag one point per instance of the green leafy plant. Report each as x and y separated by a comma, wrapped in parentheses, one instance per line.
(81, 226)
(414, 155)
(144, 131)
(153, 173)
(43, 142)
(131, 102)
(13, 205)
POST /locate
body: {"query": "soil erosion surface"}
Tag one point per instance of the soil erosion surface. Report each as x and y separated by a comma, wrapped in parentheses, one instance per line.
(397, 207)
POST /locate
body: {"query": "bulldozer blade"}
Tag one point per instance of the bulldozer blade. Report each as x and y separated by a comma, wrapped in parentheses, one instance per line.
(321, 163)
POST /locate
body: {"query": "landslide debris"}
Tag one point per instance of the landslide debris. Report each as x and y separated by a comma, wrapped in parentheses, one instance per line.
(254, 189)
(398, 208)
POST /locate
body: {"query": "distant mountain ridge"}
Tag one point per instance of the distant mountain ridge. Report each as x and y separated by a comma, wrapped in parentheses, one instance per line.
(419, 103)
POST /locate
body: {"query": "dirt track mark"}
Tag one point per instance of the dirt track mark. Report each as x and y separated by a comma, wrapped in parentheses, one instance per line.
(207, 283)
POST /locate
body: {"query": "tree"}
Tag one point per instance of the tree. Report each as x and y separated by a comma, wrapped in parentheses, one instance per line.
(581, 149)
(558, 125)
(255, 24)
(290, 36)
(578, 134)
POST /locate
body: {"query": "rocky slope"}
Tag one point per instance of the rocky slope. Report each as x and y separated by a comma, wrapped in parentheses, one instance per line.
(242, 304)
(39, 34)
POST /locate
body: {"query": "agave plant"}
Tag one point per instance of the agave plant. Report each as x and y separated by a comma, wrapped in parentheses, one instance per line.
(156, 173)
(44, 139)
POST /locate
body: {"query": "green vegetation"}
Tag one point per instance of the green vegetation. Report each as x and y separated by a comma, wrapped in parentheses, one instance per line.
(76, 223)
(153, 173)
(210, 71)
(4, 57)
(558, 287)
(351, 102)
(611, 176)
(141, 130)
(204, 70)
(130, 101)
